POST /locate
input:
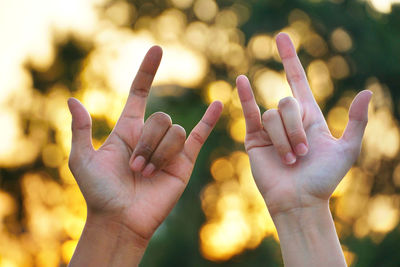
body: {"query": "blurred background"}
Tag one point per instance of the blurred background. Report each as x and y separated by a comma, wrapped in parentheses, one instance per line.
(53, 49)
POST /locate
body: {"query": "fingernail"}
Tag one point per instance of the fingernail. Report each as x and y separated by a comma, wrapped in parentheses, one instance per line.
(301, 149)
(290, 158)
(138, 163)
(148, 170)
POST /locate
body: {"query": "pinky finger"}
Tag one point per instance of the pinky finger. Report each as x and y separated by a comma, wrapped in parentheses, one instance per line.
(202, 130)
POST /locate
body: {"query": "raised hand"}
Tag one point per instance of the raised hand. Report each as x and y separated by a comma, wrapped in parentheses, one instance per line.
(291, 150)
(295, 160)
(134, 179)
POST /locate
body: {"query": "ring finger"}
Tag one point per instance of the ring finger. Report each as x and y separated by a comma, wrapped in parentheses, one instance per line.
(273, 124)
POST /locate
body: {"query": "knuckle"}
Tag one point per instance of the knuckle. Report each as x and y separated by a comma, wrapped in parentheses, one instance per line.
(144, 150)
(179, 131)
(270, 115)
(295, 77)
(287, 102)
(253, 115)
(140, 91)
(161, 118)
(282, 148)
(197, 137)
(158, 160)
(295, 134)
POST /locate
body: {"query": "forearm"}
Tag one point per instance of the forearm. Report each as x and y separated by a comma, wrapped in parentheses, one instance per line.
(308, 237)
(108, 243)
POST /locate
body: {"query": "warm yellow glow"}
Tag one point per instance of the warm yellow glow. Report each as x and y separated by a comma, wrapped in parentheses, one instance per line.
(8, 263)
(48, 258)
(7, 204)
(120, 13)
(183, 4)
(233, 205)
(222, 240)
(65, 173)
(237, 129)
(205, 10)
(227, 18)
(353, 195)
(73, 226)
(361, 227)
(396, 175)
(67, 250)
(95, 102)
(52, 155)
(9, 133)
(382, 134)
(261, 46)
(383, 215)
(171, 25)
(338, 67)
(383, 6)
(320, 80)
(219, 90)
(297, 15)
(209, 197)
(119, 55)
(315, 45)
(337, 121)
(197, 35)
(341, 40)
(15, 148)
(234, 56)
(222, 169)
(349, 256)
(271, 86)
(344, 184)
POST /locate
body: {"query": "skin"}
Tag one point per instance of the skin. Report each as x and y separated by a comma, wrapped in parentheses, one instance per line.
(297, 163)
(135, 178)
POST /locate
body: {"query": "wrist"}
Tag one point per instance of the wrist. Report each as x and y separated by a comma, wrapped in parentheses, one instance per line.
(107, 241)
(303, 219)
(308, 236)
(113, 228)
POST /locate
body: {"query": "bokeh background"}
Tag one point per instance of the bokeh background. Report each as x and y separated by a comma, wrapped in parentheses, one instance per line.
(90, 49)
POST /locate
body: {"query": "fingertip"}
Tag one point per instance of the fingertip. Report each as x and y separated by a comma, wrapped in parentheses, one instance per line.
(242, 81)
(180, 132)
(149, 170)
(281, 36)
(285, 45)
(71, 102)
(301, 149)
(289, 158)
(217, 105)
(138, 163)
(156, 51)
(241, 77)
(368, 94)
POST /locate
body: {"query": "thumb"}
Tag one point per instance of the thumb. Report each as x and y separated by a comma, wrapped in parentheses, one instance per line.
(81, 128)
(358, 118)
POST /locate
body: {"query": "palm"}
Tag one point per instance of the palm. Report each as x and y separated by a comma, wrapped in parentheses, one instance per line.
(314, 176)
(105, 178)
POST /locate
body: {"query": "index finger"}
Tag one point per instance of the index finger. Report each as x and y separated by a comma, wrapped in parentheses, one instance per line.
(251, 111)
(135, 106)
(294, 70)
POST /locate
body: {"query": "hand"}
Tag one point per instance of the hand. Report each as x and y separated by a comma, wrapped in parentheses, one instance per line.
(135, 178)
(295, 160)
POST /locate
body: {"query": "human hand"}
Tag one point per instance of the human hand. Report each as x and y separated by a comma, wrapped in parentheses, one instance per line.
(135, 178)
(295, 160)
